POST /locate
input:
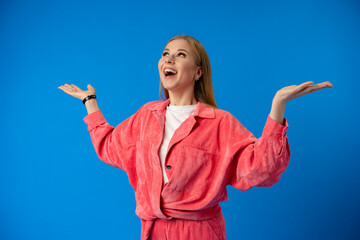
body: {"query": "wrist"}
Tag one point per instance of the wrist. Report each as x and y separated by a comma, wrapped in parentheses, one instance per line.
(279, 100)
(91, 105)
(90, 101)
(278, 110)
(89, 97)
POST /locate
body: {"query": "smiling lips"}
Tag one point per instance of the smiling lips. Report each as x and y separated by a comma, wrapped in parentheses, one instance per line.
(169, 72)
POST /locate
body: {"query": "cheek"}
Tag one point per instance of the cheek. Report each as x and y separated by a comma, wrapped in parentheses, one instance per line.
(189, 66)
(189, 70)
(159, 65)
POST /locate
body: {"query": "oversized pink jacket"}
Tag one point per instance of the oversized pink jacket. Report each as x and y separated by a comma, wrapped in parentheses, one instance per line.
(210, 150)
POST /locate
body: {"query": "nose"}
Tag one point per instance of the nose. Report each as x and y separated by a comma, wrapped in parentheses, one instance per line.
(169, 59)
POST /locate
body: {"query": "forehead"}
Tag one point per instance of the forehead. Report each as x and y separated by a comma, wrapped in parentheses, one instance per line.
(179, 44)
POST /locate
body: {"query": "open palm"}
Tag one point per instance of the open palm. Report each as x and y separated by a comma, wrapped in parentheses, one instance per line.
(295, 91)
(75, 91)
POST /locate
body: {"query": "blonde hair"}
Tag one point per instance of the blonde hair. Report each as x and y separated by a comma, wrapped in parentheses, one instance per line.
(203, 89)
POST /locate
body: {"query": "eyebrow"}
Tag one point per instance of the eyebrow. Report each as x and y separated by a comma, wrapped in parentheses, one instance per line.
(178, 49)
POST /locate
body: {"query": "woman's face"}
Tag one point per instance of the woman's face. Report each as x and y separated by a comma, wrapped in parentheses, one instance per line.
(177, 68)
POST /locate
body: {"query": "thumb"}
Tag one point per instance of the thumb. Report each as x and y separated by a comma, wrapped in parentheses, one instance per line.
(90, 87)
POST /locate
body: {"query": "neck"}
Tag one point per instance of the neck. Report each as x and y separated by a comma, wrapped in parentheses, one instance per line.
(182, 99)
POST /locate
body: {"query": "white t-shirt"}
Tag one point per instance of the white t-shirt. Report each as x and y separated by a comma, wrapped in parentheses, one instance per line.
(174, 117)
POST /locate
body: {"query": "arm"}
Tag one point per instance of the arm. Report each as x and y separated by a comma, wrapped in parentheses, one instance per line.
(256, 162)
(114, 146)
(260, 162)
(91, 106)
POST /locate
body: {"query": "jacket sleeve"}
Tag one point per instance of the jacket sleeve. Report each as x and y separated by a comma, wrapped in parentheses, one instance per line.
(114, 146)
(256, 162)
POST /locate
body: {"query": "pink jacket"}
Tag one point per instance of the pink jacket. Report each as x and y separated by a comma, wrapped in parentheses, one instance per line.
(209, 151)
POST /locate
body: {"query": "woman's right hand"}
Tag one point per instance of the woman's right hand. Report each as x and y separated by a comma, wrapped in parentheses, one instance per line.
(75, 91)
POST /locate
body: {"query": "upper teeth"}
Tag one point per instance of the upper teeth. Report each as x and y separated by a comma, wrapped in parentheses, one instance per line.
(168, 70)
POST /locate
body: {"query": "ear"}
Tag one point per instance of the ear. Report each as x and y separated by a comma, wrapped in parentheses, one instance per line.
(199, 73)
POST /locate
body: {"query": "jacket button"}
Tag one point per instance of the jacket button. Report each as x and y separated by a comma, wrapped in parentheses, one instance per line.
(168, 166)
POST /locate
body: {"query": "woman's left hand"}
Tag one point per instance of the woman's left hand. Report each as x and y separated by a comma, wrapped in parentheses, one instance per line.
(294, 91)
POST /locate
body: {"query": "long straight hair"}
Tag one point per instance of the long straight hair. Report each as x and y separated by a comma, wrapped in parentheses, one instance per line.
(203, 90)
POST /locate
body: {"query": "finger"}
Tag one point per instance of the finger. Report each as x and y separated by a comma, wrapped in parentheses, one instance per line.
(311, 89)
(326, 84)
(320, 86)
(62, 87)
(90, 87)
(67, 87)
(76, 87)
(70, 87)
(303, 86)
(66, 90)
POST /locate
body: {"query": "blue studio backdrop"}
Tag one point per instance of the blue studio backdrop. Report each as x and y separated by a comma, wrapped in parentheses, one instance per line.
(53, 185)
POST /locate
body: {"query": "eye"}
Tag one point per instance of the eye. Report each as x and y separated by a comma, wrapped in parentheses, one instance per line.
(181, 54)
(165, 54)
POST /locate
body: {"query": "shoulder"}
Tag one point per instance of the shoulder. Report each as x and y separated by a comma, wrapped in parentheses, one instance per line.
(223, 115)
(229, 125)
(152, 104)
(227, 120)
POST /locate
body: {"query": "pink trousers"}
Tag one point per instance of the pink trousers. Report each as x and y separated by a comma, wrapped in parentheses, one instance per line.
(179, 229)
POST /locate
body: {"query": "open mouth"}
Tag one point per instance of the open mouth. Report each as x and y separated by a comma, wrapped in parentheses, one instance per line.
(169, 72)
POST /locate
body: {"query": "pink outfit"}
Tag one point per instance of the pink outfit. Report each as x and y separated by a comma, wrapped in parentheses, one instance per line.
(210, 150)
(174, 117)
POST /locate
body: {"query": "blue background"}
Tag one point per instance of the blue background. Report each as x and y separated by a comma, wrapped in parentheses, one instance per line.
(52, 184)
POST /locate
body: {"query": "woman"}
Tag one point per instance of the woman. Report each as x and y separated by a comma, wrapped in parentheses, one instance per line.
(181, 153)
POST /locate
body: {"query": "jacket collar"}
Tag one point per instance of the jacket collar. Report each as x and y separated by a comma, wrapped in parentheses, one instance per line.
(202, 110)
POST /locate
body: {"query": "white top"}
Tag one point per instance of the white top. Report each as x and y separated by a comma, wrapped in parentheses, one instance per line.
(174, 117)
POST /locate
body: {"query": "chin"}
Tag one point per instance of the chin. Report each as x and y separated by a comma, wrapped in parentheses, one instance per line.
(167, 86)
